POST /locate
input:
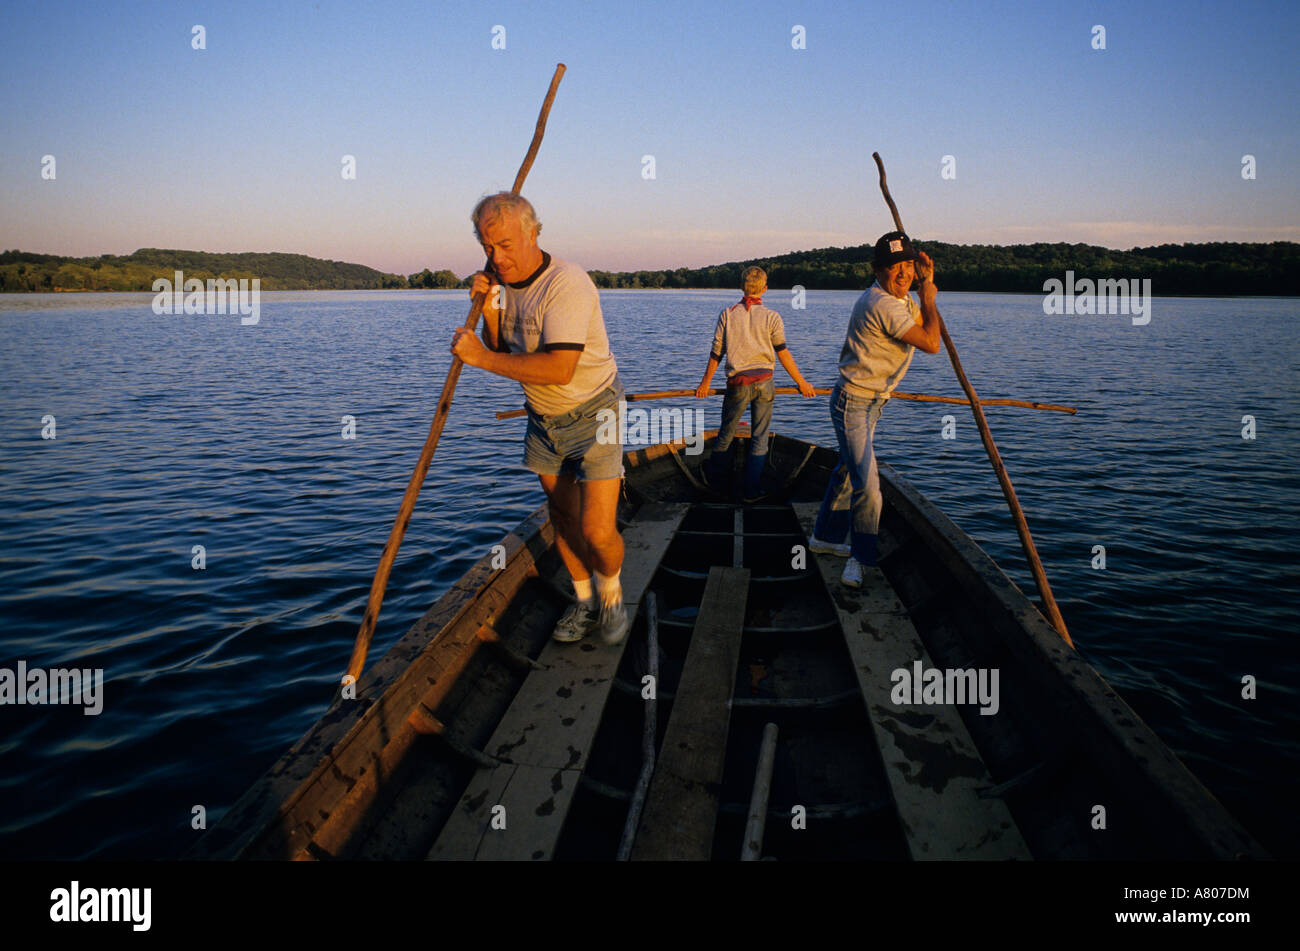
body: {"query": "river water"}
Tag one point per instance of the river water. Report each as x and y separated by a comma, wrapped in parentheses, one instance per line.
(172, 432)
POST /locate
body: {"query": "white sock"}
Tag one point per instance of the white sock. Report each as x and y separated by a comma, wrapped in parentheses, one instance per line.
(609, 588)
(582, 588)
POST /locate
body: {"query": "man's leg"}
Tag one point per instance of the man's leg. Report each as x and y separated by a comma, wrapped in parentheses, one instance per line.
(604, 547)
(833, 518)
(718, 467)
(599, 520)
(860, 427)
(761, 422)
(564, 501)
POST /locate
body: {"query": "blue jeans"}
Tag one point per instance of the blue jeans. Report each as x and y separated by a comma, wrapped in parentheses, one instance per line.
(758, 397)
(853, 494)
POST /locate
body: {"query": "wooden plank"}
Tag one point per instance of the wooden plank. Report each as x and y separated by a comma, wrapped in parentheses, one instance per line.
(933, 766)
(681, 807)
(738, 538)
(552, 722)
(507, 820)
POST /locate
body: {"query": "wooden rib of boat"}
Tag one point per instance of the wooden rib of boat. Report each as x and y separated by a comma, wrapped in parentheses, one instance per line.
(477, 737)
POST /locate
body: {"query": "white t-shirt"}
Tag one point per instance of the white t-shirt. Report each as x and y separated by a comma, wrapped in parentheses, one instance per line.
(750, 338)
(559, 309)
(873, 358)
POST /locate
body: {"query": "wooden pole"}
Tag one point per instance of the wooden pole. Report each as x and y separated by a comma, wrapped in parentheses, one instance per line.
(380, 584)
(1022, 527)
(751, 849)
(823, 391)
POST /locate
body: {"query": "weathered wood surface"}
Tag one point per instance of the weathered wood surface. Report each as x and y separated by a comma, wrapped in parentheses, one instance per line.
(682, 805)
(511, 813)
(934, 768)
(551, 725)
(278, 816)
(1095, 714)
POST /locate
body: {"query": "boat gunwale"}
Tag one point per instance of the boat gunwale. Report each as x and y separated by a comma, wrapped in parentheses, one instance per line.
(348, 722)
(345, 723)
(1011, 616)
(1117, 733)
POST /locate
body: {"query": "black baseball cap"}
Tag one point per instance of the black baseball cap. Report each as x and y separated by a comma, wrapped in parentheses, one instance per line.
(892, 248)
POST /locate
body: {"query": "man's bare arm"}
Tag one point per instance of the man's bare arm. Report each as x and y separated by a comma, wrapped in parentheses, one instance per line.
(926, 337)
(703, 389)
(787, 361)
(483, 284)
(543, 367)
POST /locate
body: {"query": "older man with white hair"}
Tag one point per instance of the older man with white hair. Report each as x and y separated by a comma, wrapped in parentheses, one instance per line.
(885, 329)
(542, 326)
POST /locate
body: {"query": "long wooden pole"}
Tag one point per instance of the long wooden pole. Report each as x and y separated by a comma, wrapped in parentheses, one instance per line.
(380, 584)
(823, 391)
(1022, 527)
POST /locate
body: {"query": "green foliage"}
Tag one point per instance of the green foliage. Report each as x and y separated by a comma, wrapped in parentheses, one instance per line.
(438, 279)
(24, 271)
(1219, 269)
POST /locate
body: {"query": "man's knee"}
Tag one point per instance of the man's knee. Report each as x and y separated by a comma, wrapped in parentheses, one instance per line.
(600, 527)
(857, 476)
(600, 532)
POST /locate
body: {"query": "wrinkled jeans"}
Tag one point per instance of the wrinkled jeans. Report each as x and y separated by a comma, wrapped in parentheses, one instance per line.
(760, 396)
(853, 497)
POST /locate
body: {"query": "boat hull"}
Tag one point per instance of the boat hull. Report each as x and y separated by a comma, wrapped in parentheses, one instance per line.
(478, 737)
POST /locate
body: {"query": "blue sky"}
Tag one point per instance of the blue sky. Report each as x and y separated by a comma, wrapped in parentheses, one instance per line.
(759, 148)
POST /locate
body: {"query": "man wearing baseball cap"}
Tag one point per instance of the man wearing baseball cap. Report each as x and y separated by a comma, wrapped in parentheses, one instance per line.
(885, 329)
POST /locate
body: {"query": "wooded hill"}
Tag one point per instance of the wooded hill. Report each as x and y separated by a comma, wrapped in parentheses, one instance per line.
(24, 271)
(1218, 269)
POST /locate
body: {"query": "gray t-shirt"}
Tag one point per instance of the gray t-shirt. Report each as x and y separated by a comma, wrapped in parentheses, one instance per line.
(873, 358)
(559, 309)
(750, 339)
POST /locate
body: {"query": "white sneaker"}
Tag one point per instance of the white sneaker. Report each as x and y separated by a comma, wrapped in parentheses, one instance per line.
(613, 622)
(575, 624)
(852, 577)
(828, 548)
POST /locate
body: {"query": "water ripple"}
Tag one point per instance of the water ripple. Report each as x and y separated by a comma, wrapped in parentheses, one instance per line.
(196, 431)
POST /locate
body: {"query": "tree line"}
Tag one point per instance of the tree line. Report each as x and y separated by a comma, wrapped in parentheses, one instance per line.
(1216, 268)
(26, 271)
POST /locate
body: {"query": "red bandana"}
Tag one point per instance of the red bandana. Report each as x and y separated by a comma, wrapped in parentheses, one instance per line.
(750, 301)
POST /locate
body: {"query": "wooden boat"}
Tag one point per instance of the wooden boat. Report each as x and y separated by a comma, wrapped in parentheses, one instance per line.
(477, 737)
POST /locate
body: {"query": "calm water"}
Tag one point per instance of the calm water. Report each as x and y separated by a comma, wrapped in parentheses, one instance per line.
(181, 431)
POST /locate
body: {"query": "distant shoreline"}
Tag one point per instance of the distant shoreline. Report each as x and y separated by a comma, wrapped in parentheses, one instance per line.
(672, 290)
(1216, 269)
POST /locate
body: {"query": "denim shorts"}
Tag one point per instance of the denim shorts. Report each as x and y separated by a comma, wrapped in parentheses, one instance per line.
(584, 442)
